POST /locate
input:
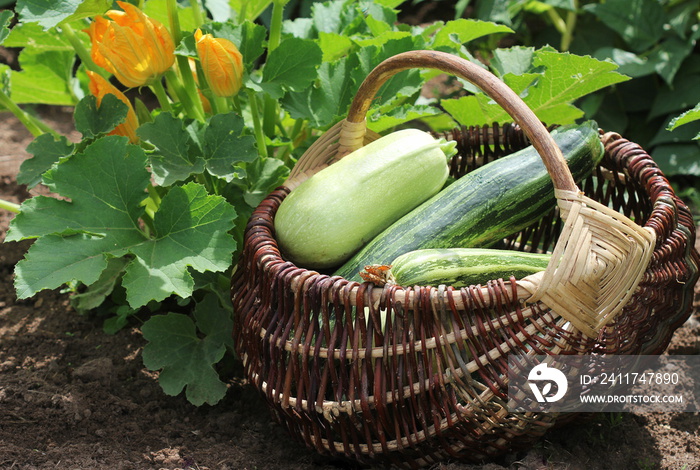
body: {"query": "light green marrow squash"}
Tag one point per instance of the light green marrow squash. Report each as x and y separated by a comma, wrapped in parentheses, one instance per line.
(331, 215)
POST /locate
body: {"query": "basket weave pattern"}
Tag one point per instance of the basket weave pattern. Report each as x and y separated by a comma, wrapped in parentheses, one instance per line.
(414, 375)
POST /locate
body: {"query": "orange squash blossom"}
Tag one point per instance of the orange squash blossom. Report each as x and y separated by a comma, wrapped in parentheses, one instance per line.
(222, 64)
(133, 47)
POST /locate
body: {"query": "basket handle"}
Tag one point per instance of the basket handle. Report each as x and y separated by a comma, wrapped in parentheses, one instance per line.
(351, 136)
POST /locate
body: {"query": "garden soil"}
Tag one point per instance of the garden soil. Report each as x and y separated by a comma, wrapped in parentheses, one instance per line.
(73, 397)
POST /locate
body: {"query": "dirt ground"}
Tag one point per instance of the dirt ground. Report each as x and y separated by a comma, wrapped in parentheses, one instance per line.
(72, 397)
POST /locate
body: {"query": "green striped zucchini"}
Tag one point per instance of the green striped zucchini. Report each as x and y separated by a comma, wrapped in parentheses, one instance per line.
(484, 206)
(461, 267)
(328, 217)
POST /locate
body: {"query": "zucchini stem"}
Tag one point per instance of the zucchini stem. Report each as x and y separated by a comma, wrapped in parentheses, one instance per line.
(9, 206)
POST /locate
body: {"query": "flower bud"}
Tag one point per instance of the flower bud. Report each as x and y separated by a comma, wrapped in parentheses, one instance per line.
(100, 87)
(222, 64)
(133, 47)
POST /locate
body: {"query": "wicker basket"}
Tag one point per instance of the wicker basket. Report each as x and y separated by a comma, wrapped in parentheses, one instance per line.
(395, 392)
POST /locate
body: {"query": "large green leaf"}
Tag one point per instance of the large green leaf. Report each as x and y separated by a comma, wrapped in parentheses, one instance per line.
(34, 36)
(678, 159)
(175, 156)
(46, 151)
(639, 22)
(49, 13)
(225, 145)
(463, 30)
(45, 78)
(5, 19)
(291, 66)
(190, 232)
(92, 120)
(101, 220)
(249, 9)
(687, 117)
(554, 82)
(158, 10)
(186, 361)
(329, 100)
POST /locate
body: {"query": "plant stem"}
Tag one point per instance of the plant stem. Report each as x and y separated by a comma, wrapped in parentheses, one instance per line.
(235, 104)
(565, 28)
(9, 206)
(221, 104)
(557, 20)
(196, 12)
(568, 35)
(257, 125)
(159, 91)
(174, 21)
(193, 108)
(296, 131)
(270, 106)
(192, 105)
(81, 50)
(183, 66)
(276, 24)
(270, 116)
(33, 125)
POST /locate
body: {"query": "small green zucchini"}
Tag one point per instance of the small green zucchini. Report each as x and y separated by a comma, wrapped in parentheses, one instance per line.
(331, 215)
(462, 267)
(484, 206)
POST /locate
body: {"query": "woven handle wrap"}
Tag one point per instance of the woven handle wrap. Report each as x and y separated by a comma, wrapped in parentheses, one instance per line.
(601, 255)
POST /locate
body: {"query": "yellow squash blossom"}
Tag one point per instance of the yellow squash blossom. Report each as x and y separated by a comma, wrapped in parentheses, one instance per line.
(133, 47)
(222, 64)
(100, 87)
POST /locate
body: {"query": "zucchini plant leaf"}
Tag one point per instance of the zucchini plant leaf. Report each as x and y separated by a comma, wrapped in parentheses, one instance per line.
(191, 231)
(640, 23)
(49, 13)
(5, 18)
(251, 8)
(678, 159)
(46, 151)
(380, 122)
(685, 118)
(158, 10)
(98, 291)
(92, 120)
(225, 145)
(102, 220)
(45, 78)
(220, 10)
(684, 94)
(176, 155)
(555, 80)
(34, 36)
(334, 46)
(457, 32)
(217, 145)
(324, 103)
(184, 359)
(291, 66)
